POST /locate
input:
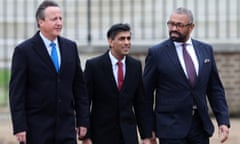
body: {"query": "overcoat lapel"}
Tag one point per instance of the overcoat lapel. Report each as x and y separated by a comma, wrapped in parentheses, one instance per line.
(108, 71)
(41, 50)
(128, 74)
(63, 48)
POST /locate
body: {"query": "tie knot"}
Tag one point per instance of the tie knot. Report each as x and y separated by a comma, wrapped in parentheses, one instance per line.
(119, 63)
(184, 45)
(52, 44)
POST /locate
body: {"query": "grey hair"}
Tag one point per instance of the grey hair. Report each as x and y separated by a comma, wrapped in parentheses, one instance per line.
(41, 9)
(185, 11)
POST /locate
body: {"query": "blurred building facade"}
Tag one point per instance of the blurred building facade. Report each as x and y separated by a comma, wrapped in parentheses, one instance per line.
(86, 22)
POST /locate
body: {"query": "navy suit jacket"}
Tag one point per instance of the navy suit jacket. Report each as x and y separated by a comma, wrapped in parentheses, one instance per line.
(45, 103)
(115, 113)
(172, 113)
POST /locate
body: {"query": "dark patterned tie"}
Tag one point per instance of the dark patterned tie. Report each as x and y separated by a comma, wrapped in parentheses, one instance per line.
(189, 66)
(120, 75)
(54, 56)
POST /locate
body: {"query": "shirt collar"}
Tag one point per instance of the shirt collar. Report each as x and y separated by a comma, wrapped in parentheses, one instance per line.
(188, 42)
(47, 41)
(114, 60)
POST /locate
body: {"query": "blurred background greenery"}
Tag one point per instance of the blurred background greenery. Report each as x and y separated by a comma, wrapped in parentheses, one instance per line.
(4, 81)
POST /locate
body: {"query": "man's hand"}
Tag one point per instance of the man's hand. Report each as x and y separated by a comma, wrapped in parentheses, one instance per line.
(21, 137)
(223, 133)
(82, 131)
(153, 139)
(87, 141)
(146, 141)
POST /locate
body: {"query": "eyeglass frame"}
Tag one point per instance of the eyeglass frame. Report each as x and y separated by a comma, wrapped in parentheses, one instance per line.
(177, 25)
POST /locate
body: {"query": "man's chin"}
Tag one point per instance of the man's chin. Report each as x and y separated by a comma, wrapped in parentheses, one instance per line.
(176, 39)
(173, 38)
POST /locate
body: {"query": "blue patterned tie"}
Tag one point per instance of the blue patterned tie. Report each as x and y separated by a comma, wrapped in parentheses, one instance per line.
(54, 56)
(191, 72)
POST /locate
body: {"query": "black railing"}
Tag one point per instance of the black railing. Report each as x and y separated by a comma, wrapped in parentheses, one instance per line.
(86, 21)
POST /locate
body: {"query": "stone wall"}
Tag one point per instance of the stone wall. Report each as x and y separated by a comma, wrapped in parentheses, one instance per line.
(229, 70)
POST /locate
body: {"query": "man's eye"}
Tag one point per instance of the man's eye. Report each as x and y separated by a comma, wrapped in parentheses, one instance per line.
(179, 25)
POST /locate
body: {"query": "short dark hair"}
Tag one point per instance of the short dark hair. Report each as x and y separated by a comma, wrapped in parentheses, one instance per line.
(40, 11)
(116, 28)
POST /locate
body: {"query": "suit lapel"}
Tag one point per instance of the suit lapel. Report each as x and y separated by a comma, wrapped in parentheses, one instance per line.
(172, 54)
(199, 55)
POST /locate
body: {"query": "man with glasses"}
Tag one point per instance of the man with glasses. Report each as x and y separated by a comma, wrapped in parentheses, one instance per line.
(180, 76)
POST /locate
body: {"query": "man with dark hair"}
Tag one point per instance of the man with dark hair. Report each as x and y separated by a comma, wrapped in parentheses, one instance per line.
(116, 94)
(180, 74)
(48, 94)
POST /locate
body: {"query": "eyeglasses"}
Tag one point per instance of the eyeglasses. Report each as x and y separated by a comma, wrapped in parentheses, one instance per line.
(177, 25)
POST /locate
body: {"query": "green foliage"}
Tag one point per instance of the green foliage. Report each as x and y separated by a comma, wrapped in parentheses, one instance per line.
(4, 77)
(4, 81)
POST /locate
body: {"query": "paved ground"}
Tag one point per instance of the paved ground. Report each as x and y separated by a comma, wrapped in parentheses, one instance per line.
(6, 136)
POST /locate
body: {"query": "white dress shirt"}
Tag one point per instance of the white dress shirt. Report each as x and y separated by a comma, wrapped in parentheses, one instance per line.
(115, 66)
(49, 48)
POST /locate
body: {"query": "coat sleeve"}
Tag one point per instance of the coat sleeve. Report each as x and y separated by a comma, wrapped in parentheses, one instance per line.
(81, 95)
(149, 80)
(139, 107)
(17, 90)
(216, 95)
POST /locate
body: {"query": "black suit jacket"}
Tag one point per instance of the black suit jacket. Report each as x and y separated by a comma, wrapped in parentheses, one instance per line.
(163, 74)
(113, 113)
(43, 102)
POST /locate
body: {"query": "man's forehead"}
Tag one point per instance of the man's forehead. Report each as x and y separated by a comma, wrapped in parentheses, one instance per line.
(124, 33)
(176, 17)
